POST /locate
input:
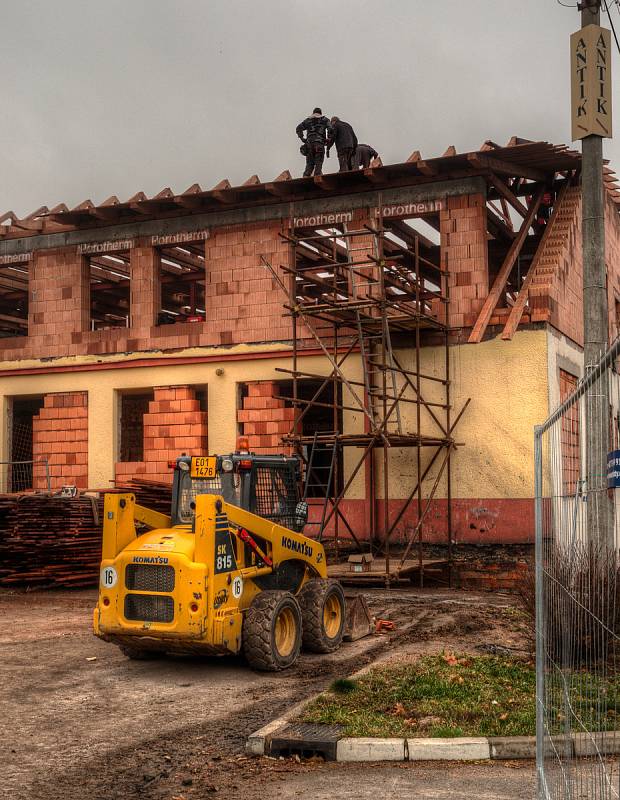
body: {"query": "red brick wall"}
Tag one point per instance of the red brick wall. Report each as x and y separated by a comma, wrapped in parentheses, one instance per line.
(60, 434)
(463, 230)
(264, 419)
(237, 283)
(59, 302)
(173, 425)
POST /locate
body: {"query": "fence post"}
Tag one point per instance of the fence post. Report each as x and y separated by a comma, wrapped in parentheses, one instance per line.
(540, 617)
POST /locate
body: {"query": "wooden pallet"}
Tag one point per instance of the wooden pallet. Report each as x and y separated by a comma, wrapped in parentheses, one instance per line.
(379, 575)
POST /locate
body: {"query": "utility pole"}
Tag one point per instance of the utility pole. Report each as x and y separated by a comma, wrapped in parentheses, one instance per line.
(595, 312)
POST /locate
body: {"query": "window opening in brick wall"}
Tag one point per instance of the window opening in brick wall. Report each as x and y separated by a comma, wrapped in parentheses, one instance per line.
(570, 436)
(399, 244)
(202, 395)
(182, 283)
(22, 410)
(503, 222)
(14, 279)
(318, 419)
(317, 253)
(133, 407)
(109, 275)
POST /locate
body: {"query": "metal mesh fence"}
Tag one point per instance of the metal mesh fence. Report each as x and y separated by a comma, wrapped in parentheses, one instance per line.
(578, 608)
(23, 476)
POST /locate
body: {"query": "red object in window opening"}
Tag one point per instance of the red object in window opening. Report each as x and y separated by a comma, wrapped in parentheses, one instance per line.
(194, 318)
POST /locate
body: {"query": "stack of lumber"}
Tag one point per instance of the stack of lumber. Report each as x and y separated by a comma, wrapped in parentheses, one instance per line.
(50, 542)
(55, 542)
(151, 494)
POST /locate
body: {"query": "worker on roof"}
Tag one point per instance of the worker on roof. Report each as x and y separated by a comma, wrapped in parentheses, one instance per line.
(342, 135)
(316, 129)
(364, 154)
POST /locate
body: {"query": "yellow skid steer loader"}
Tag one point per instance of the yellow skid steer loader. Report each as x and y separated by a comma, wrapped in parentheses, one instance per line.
(228, 572)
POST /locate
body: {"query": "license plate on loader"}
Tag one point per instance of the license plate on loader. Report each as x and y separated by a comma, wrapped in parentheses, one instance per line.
(203, 467)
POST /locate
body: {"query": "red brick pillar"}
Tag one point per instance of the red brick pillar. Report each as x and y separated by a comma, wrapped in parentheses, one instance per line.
(173, 425)
(60, 435)
(59, 298)
(145, 288)
(464, 253)
(264, 419)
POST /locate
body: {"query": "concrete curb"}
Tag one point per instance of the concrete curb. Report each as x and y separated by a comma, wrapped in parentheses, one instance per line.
(475, 748)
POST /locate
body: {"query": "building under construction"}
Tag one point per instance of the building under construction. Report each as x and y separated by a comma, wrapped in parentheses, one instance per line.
(401, 327)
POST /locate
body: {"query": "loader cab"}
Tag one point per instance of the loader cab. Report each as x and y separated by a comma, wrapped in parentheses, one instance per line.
(266, 485)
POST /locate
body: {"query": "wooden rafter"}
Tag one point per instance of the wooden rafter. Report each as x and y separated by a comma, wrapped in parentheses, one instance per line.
(497, 226)
(495, 165)
(507, 195)
(512, 323)
(504, 272)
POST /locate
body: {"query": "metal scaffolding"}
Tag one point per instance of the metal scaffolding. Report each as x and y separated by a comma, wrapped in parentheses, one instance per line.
(369, 298)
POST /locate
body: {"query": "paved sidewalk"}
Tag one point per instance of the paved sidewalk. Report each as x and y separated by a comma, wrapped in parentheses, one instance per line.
(497, 781)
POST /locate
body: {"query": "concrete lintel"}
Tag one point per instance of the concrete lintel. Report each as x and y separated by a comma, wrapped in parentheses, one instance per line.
(262, 213)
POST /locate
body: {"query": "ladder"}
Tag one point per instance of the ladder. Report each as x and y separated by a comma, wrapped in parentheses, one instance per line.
(321, 477)
(373, 345)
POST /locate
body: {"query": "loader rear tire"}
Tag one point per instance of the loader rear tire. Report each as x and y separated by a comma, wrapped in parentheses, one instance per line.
(137, 654)
(323, 612)
(272, 631)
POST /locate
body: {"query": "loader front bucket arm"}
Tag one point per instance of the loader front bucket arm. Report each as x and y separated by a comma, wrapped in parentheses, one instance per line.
(285, 543)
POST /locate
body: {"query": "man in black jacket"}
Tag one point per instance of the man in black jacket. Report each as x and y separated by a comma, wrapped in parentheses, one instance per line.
(316, 128)
(343, 136)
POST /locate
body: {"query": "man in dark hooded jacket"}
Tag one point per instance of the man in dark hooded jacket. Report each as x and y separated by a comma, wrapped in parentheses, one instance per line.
(343, 136)
(363, 156)
(316, 128)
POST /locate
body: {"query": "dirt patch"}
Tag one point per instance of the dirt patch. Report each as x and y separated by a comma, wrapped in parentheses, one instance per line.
(111, 728)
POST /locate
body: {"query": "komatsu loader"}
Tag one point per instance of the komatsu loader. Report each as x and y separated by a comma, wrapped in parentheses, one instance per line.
(228, 572)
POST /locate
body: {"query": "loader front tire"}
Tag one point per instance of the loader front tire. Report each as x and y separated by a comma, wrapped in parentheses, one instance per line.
(323, 612)
(272, 631)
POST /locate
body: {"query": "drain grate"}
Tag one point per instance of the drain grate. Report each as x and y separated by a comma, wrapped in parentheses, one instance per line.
(306, 740)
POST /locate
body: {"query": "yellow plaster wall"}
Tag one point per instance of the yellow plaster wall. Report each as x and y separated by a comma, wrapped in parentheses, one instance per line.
(507, 381)
(103, 387)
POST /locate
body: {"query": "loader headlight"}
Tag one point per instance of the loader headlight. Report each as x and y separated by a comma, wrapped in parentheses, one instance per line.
(227, 465)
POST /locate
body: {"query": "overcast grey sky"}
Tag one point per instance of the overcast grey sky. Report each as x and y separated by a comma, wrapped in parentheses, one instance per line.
(106, 97)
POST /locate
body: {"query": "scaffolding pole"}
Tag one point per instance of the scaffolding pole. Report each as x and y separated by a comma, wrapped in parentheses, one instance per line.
(362, 298)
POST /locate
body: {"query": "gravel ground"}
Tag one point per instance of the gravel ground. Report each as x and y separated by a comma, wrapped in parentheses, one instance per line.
(79, 720)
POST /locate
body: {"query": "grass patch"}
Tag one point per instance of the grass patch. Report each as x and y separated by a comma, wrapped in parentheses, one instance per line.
(343, 686)
(445, 696)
